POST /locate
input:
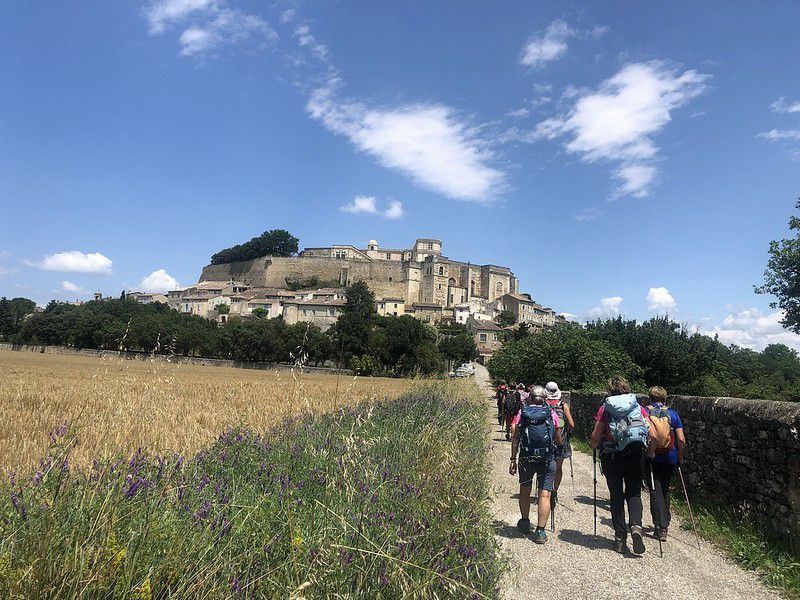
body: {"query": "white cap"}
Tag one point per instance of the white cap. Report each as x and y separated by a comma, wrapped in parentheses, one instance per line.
(553, 393)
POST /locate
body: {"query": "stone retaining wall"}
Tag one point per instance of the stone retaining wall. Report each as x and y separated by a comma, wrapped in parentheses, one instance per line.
(741, 453)
(186, 360)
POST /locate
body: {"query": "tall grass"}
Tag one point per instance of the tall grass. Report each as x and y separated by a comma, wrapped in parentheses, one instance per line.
(121, 405)
(385, 500)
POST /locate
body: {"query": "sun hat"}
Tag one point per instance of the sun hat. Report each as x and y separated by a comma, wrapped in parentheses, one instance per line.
(553, 393)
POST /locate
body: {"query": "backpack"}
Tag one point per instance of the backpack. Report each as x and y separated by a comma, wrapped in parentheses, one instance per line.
(512, 402)
(558, 407)
(626, 423)
(662, 424)
(536, 434)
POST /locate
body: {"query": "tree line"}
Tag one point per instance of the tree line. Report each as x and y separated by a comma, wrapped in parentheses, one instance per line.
(360, 339)
(656, 352)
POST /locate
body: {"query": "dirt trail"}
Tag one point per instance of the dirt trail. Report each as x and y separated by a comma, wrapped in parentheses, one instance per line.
(575, 565)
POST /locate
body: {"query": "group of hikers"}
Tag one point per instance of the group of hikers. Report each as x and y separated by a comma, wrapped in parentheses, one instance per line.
(637, 443)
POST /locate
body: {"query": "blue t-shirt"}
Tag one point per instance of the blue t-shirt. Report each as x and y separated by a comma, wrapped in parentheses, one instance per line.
(670, 457)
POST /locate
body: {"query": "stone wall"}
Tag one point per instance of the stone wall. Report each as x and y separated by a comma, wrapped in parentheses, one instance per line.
(186, 360)
(741, 453)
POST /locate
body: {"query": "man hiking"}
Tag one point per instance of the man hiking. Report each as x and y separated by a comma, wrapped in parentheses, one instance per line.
(511, 406)
(621, 433)
(536, 433)
(666, 453)
(563, 450)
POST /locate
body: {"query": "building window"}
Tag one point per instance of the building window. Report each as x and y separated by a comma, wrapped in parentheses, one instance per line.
(472, 287)
(395, 305)
(390, 277)
(439, 286)
(388, 256)
(496, 337)
(482, 337)
(451, 298)
(441, 270)
(430, 246)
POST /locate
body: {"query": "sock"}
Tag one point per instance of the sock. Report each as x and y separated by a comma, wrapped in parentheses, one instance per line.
(539, 528)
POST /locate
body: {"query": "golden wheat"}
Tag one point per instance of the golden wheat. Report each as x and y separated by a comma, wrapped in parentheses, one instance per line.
(115, 406)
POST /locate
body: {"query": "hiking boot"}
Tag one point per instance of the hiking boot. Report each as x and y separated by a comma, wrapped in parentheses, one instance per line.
(662, 535)
(524, 525)
(638, 541)
(620, 545)
(540, 537)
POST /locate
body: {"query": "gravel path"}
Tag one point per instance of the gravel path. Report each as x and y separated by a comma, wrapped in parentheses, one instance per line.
(575, 565)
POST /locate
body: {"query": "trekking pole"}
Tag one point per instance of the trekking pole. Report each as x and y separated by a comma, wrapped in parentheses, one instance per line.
(572, 477)
(691, 513)
(660, 509)
(594, 461)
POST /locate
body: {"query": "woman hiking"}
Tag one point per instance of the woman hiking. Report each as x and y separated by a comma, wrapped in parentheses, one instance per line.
(621, 434)
(665, 456)
(563, 450)
(536, 433)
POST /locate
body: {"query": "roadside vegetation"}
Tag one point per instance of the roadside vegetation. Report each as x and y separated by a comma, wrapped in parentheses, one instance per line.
(657, 352)
(384, 500)
(771, 557)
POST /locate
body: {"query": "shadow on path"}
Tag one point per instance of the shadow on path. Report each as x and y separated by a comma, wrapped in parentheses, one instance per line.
(589, 501)
(505, 530)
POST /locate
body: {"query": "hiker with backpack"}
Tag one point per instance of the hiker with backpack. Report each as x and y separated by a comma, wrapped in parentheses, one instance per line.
(563, 450)
(536, 433)
(665, 455)
(621, 433)
(500, 396)
(511, 406)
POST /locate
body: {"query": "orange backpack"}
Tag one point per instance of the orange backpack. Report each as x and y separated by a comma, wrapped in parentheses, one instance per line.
(662, 425)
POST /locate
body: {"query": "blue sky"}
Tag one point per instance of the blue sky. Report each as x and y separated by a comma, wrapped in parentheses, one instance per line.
(633, 158)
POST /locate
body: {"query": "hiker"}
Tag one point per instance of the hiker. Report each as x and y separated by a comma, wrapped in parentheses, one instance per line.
(621, 433)
(500, 395)
(511, 406)
(536, 431)
(665, 455)
(563, 450)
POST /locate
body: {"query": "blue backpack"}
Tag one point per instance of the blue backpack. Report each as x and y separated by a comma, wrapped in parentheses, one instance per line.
(536, 434)
(626, 423)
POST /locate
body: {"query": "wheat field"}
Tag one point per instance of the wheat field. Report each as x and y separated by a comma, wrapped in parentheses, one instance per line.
(115, 406)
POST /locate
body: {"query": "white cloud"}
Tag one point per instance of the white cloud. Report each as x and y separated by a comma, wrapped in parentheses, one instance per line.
(368, 205)
(551, 43)
(73, 288)
(587, 214)
(548, 45)
(568, 316)
(753, 329)
(781, 106)
(608, 308)
(74, 262)
(206, 24)
(775, 135)
(424, 141)
(617, 121)
(659, 299)
(635, 178)
(159, 281)
(520, 113)
(307, 40)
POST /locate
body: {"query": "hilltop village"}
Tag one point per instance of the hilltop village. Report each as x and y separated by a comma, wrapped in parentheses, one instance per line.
(418, 281)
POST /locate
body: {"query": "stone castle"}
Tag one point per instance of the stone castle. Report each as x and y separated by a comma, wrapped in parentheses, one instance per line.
(418, 281)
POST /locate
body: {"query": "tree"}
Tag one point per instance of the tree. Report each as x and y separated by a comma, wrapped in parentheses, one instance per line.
(458, 346)
(353, 328)
(506, 318)
(275, 242)
(782, 276)
(567, 354)
(12, 314)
